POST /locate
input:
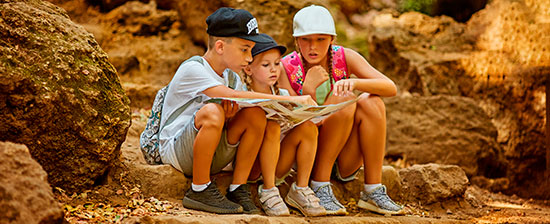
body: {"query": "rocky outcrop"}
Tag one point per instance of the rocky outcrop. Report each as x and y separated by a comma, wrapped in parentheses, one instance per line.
(500, 58)
(431, 183)
(59, 95)
(160, 181)
(445, 130)
(25, 195)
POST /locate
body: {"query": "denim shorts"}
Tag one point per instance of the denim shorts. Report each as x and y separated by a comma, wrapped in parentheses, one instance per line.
(183, 147)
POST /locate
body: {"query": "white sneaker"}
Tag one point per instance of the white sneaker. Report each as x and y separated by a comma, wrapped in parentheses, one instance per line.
(305, 201)
(272, 203)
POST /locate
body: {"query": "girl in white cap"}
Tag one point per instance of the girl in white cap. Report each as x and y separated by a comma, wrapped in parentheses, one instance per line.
(356, 135)
(277, 156)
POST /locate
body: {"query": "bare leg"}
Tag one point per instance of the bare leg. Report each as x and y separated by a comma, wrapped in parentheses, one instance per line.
(247, 127)
(209, 120)
(333, 133)
(269, 153)
(370, 125)
(299, 143)
(256, 170)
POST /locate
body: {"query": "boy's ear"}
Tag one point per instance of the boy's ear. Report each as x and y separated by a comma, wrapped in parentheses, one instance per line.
(219, 46)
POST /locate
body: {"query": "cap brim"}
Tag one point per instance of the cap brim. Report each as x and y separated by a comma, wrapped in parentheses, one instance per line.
(281, 48)
(256, 38)
(312, 32)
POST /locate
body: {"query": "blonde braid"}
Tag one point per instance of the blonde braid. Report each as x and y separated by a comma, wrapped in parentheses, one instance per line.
(276, 87)
(248, 81)
(330, 64)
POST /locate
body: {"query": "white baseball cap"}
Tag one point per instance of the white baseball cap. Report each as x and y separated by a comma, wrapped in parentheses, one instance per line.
(313, 19)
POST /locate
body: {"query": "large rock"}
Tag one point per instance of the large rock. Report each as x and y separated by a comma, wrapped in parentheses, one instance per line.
(59, 95)
(431, 183)
(443, 129)
(500, 58)
(25, 195)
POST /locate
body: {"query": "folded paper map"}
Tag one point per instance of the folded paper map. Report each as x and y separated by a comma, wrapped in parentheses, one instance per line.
(288, 114)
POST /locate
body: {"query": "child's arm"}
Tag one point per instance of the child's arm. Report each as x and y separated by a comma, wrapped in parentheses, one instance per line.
(369, 79)
(224, 91)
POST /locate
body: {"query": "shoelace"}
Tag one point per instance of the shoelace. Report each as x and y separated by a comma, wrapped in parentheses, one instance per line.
(216, 194)
(383, 199)
(326, 194)
(242, 195)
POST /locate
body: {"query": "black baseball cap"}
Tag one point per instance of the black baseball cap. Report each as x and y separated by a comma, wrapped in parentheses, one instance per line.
(267, 45)
(229, 22)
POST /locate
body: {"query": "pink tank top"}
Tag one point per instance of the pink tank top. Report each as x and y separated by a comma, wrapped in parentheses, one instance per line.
(295, 69)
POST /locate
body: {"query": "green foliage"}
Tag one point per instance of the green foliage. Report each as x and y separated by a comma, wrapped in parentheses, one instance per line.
(423, 6)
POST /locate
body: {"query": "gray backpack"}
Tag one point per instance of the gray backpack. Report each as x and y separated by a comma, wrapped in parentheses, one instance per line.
(149, 139)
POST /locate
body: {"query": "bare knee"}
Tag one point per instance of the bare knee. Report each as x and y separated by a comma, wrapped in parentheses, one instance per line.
(255, 118)
(308, 129)
(347, 113)
(372, 107)
(273, 130)
(211, 116)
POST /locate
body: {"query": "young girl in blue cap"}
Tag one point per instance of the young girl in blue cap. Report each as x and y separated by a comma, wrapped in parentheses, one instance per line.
(277, 156)
(356, 135)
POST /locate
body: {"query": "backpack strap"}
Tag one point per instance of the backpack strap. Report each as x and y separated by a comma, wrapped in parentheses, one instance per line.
(294, 70)
(339, 65)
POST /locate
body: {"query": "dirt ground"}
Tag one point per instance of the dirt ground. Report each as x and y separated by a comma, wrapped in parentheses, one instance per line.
(123, 202)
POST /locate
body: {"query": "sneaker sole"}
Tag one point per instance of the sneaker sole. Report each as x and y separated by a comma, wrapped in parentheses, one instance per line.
(295, 204)
(197, 205)
(252, 212)
(337, 212)
(368, 206)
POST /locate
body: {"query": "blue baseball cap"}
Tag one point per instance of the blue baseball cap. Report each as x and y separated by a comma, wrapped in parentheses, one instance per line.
(267, 45)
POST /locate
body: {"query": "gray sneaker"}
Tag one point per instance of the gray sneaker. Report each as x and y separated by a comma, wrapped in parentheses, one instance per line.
(210, 200)
(329, 201)
(241, 196)
(378, 201)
